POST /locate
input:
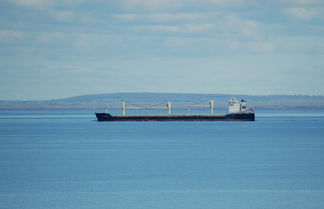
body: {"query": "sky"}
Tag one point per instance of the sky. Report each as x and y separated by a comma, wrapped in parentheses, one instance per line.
(56, 49)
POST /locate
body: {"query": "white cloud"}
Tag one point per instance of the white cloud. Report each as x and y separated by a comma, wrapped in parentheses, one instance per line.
(39, 4)
(87, 41)
(166, 17)
(64, 15)
(157, 28)
(227, 2)
(31, 3)
(10, 35)
(177, 4)
(152, 4)
(306, 2)
(301, 13)
(261, 47)
(189, 28)
(208, 46)
(247, 28)
(52, 36)
(75, 69)
(126, 17)
(187, 43)
(177, 16)
(86, 19)
(251, 47)
(199, 28)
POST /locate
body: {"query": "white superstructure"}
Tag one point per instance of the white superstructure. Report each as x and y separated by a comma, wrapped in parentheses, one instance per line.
(236, 106)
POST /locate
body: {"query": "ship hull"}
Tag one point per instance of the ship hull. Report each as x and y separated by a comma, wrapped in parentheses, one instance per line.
(226, 117)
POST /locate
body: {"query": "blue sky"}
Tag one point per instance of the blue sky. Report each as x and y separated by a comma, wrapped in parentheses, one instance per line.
(54, 49)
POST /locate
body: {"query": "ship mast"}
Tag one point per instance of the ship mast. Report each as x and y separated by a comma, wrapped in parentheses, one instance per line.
(124, 107)
(211, 105)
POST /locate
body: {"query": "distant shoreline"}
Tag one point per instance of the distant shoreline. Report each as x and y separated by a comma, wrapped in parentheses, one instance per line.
(179, 100)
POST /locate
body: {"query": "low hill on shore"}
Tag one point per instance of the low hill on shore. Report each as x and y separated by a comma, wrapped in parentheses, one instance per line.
(179, 100)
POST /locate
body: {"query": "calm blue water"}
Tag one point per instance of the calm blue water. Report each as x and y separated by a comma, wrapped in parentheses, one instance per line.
(65, 160)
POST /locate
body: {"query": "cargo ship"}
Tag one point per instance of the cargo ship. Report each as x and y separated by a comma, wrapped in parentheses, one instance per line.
(237, 111)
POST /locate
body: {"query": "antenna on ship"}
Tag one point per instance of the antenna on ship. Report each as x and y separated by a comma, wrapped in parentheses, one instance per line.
(106, 109)
(212, 106)
(169, 107)
(124, 107)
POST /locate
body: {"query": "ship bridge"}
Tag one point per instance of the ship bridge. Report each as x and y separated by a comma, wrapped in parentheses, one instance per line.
(236, 106)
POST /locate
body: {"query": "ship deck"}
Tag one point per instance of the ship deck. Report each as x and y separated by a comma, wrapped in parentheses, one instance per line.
(167, 116)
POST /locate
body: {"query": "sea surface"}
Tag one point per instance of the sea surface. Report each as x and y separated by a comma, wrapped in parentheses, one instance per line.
(65, 159)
